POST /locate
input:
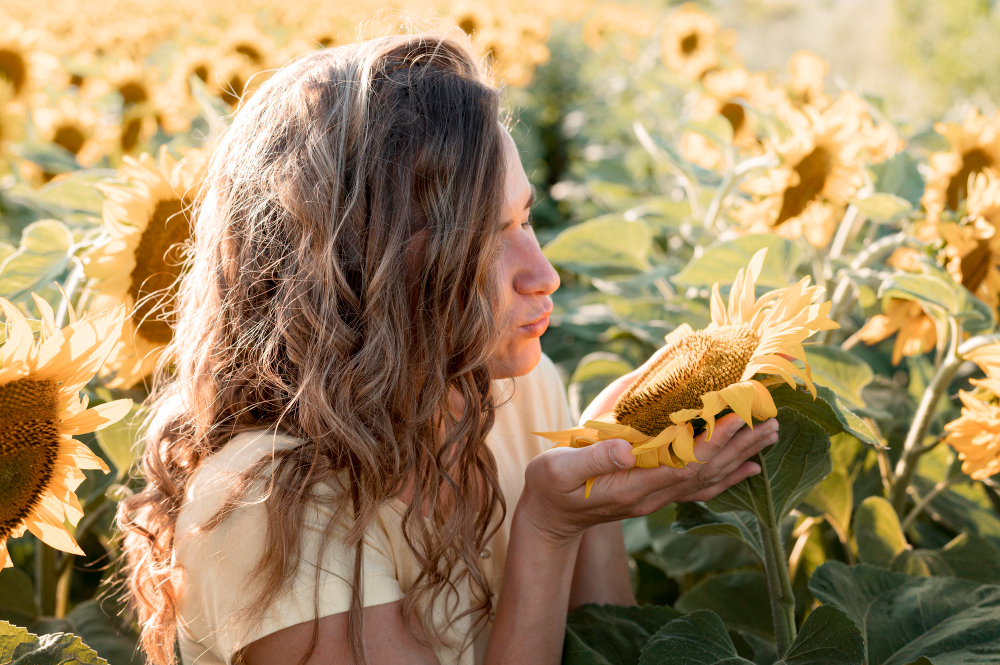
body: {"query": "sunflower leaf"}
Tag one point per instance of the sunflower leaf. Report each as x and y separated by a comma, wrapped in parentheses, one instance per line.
(699, 638)
(42, 257)
(738, 597)
(18, 646)
(608, 634)
(720, 262)
(877, 532)
(881, 207)
(902, 618)
(842, 372)
(796, 463)
(695, 518)
(828, 637)
(602, 247)
(968, 556)
(827, 410)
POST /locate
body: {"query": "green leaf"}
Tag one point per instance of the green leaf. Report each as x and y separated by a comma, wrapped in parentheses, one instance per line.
(738, 597)
(17, 596)
(720, 262)
(841, 371)
(695, 518)
(796, 463)
(828, 637)
(902, 618)
(42, 256)
(827, 410)
(611, 635)
(834, 498)
(968, 556)
(104, 633)
(880, 207)
(72, 192)
(877, 532)
(716, 129)
(940, 296)
(700, 638)
(119, 441)
(604, 246)
(19, 647)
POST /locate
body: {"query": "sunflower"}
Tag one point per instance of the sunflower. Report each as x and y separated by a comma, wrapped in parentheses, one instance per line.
(915, 331)
(727, 93)
(24, 64)
(612, 19)
(729, 364)
(145, 220)
(40, 381)
(244, 40)
(688, 42)
(822, 168)
(73, 127)
(176, 98)
(975, 435)
(807, 72)
(134, 82)
(974, 146)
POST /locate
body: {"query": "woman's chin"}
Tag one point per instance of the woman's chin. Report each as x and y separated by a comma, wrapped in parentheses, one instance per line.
(517, 360)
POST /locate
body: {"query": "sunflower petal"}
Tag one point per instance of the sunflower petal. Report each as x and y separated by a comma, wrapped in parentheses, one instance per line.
(740, 397)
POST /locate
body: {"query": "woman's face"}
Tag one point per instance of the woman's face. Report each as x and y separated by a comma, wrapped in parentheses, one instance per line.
(526, 276)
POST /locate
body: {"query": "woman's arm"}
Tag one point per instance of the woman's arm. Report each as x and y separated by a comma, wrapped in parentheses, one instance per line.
(601, 571)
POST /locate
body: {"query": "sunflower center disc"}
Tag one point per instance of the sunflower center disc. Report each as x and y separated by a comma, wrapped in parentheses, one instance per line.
(157, 269)
(689, 44)
(976, 265)
(29, 447)
(702, 362)
(813, 171)
(70, 137)
(12, 68)
(974, 161)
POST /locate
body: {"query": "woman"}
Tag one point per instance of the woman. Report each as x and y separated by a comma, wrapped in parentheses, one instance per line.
(340, 466)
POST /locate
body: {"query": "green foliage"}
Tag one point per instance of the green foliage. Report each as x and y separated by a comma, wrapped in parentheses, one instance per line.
(19, 647)
(943, 619)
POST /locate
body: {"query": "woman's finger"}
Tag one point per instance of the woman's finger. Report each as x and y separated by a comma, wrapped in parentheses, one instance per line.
(741, 473)
(572, 467)
(744, 444)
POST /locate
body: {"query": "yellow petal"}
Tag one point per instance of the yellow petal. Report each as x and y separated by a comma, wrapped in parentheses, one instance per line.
(662, 439)
(683, 445)
(713, 404)
(740, 397)
(617, 431)
(590, 485)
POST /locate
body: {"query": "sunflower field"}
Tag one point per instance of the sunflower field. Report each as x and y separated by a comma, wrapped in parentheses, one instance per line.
(801, 251)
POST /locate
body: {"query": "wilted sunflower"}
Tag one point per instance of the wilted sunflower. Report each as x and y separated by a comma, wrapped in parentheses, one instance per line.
(975, 435)
(137, 265)
(974, 146)
(915, 331)
(822, 168)
(727, 365)
(40, 381)
(688, 42)
(727, 93)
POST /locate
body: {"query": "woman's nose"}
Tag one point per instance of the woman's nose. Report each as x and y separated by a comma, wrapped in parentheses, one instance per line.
(537, 276)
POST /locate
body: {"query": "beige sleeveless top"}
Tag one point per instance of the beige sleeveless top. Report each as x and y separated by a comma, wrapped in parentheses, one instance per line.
(212, 568)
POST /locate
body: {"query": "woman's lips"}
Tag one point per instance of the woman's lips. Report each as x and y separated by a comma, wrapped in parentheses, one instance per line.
(536, 328)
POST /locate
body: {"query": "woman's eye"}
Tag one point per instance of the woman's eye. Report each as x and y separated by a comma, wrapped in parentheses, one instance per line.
(527, 222)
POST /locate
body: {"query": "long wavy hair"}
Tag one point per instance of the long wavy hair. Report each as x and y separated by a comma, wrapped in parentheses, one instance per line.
(341, 287)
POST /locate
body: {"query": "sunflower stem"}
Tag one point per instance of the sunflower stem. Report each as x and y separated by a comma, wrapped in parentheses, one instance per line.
(779, 586)
(953, 476)
(46, 577)
(913, 446)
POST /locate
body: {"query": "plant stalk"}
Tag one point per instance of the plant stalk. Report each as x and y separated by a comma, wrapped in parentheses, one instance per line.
(913, 447)
(46, 578)
(779, 586)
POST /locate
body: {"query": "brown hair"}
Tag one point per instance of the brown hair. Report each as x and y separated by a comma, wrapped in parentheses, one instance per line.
(341, 286)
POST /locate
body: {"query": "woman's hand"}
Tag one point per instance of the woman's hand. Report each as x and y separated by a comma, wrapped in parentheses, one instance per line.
(553, 498)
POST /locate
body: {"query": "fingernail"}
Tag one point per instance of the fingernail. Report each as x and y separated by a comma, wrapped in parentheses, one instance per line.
(754, 468)
(771, 438)
(616, 457)
(736, 427)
